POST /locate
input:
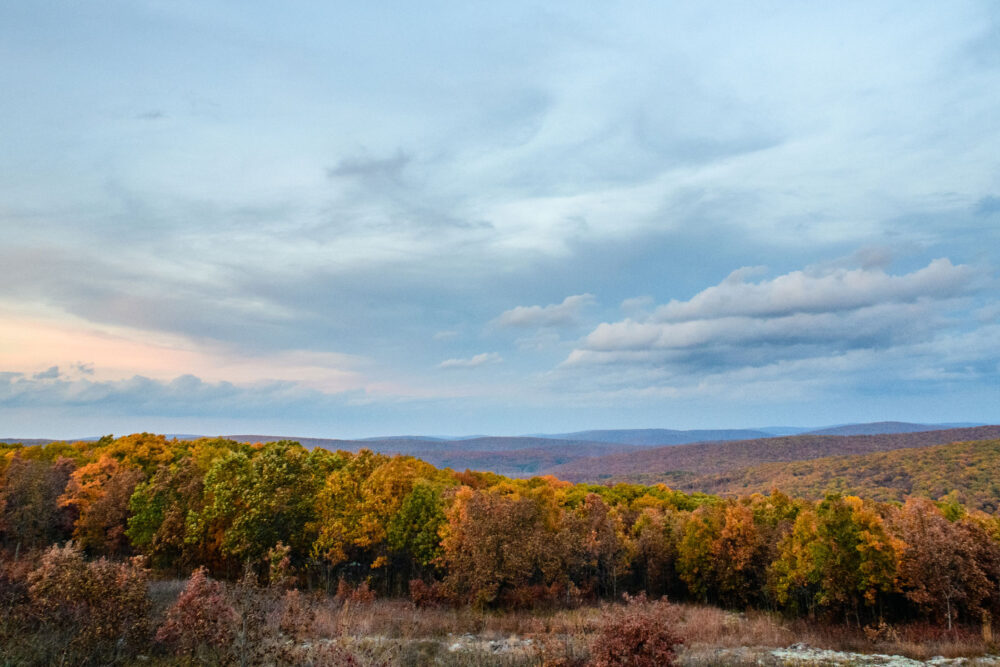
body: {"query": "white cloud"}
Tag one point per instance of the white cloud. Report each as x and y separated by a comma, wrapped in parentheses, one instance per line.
(800, 315)
(864, 324)
(552, 315)
(472, 362)
(638, 306)
(802, 292)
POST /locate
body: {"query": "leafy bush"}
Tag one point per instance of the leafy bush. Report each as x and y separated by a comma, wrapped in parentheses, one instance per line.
(360, 593)
(200, 622)
(640, 634)
(298, 616)
(433, 594)
(100, 609)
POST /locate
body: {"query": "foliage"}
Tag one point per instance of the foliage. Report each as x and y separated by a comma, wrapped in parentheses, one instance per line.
(640, 635)
(30, 515)
(200, 623)
(963, 472)
(253, 501)
(938, 569)
(840, 554)
(496, 544)
(368, 524)
(690, 466)
(414, 530)
(99, 493)
(103, 604)
(160, 510)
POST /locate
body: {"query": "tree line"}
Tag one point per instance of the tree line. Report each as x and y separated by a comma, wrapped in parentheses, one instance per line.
(398, 526)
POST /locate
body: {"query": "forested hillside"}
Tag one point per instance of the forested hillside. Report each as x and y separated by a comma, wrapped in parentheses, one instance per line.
(664, 463)
(969, 472)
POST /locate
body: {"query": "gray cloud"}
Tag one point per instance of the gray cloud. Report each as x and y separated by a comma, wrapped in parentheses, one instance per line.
(472, 362)
(50, 374)
(553, 315)
(864, 325)
(186, 395)
(390, 168)
(83, 369)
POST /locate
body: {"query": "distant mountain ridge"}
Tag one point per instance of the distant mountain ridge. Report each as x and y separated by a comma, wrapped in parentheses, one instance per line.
(664, 436)
(658, 436)
(513, 456)
(880, 428)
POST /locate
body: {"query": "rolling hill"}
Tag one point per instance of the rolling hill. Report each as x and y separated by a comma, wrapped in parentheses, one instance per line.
(677, 462)
(969, 469)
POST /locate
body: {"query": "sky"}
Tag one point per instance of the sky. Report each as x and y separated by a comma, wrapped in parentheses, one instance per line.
(359, 219)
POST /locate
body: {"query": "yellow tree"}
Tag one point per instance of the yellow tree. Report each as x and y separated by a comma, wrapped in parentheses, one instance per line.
(342, 529)
(838, 556)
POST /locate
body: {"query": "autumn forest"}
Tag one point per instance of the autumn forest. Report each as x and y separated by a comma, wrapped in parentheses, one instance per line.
(365, 525)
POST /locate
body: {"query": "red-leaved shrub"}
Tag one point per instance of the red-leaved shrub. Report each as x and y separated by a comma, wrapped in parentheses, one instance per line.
(428, 595)
(360, 593)
(202, 619)
(640, 634)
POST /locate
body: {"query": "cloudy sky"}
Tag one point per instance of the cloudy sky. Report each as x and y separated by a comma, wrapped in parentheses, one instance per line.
(353, 219)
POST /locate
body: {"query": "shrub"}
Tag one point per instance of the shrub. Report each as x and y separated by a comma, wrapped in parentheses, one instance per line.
(428, 595)
(13, 582)
(254, 638)
(100, 608)
(360, 593)
(298, 616)
(201, 621)
(640, 634)
(281, 574)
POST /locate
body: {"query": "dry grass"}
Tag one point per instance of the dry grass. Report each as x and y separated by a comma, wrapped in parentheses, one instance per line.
(400, 619)
(710, 627)
(703, 628)
(422, 635)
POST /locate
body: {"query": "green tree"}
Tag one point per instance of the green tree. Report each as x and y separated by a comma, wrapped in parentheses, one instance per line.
(252, 502)
(414, 530)
(160, 508)
(838, 556)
